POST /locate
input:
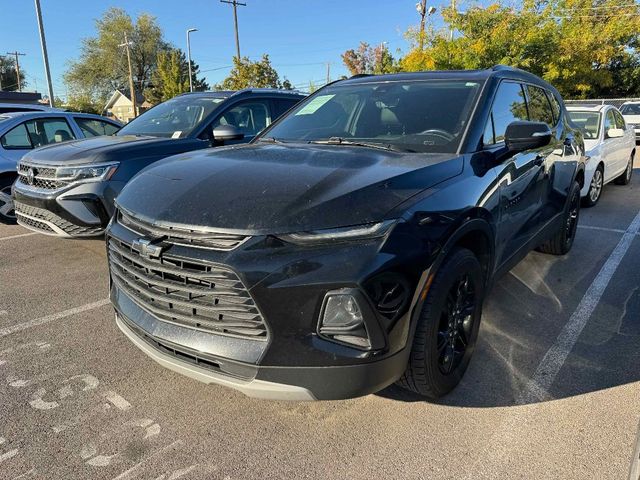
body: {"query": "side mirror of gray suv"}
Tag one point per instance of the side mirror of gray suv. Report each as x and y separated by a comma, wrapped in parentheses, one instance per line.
(225, 133)
(522, 135)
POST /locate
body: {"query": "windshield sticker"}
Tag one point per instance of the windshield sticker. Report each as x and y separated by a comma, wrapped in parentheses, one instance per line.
(176, 134)
(314, 104)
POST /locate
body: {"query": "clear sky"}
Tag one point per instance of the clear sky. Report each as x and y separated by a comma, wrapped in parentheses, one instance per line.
(299, 36)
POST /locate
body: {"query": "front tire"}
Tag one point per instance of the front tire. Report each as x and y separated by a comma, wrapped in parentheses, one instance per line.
(447, 327)
(595, 188)
(562, 240)
(7, 212)
(625, 178)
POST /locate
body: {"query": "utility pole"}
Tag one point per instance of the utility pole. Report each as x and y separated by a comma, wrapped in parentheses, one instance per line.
(453, 8)
(235, 4)
(45, 57)
(126, 45)
(421, 7)
(328, 72)
(189, 56)
(17, 54)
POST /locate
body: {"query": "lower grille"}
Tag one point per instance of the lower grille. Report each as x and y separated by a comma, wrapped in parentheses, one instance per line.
(186, 292)
(37, 218)
(34, 224)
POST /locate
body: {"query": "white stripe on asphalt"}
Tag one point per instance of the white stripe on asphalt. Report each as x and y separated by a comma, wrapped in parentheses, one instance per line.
(603, 229)
(537, 388)
(18, 236)
(51, 318)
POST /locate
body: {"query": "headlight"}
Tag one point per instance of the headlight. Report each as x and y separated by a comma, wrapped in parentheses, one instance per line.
(344, 234)
(86, 172)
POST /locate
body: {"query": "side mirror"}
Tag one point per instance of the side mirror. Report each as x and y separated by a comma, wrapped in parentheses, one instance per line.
(521, 136)
(615, 133)
(225, 133)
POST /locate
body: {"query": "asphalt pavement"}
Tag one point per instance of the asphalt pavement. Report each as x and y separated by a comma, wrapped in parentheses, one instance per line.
(553, 390)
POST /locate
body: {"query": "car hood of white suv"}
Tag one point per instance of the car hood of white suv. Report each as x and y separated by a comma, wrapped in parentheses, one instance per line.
(632, 119)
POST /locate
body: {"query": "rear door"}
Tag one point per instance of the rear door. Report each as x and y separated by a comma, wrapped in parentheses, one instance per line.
(628, 142)
(521, 175)
(612, 147)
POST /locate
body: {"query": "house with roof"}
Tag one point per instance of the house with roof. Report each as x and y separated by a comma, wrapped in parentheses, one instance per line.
(120, 106)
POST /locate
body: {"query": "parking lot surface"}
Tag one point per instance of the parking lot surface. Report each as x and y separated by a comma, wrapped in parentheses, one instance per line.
(553, 390)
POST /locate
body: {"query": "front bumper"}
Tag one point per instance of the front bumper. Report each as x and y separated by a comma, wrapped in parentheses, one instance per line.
(83, 210)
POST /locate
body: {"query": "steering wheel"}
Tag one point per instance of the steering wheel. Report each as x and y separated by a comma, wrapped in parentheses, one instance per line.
(436, 132)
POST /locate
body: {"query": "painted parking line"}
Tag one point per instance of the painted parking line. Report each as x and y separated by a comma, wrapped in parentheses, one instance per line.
(51, 318)
(602, 229)
(11, 237)
(537, 388)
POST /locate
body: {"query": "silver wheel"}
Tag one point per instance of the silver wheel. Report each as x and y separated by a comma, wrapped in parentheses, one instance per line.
(596, 186)
(7, 211)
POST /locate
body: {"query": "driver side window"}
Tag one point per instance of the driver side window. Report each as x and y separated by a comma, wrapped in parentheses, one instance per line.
(250, 117)
(509, 105)
(609, 122)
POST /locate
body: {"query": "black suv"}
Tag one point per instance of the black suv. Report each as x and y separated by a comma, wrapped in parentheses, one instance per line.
(68, 189)
(352, 243)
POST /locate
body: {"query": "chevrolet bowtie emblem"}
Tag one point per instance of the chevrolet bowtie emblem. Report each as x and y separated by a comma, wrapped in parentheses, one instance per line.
(147, 248)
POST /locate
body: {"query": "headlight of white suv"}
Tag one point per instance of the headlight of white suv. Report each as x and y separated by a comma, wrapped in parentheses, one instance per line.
(343, 234)
(102, 171)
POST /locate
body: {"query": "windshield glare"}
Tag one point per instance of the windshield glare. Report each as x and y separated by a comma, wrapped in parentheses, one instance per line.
(630, 109)
(418, 116)
(175, 118)
(587, 122)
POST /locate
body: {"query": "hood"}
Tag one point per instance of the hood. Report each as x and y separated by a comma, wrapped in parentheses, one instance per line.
(114, 148)
(632, 119)
(590, 146)
(259, 189)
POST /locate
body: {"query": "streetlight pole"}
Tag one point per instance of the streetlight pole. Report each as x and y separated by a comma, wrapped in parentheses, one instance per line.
(45, 57)
(189, 56)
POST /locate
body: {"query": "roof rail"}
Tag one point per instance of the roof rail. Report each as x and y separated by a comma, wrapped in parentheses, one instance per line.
(503, 67)
(360, 75)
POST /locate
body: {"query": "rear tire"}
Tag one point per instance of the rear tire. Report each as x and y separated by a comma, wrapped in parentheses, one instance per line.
(7, 212)
(595, 188)
(447, 327)
(625, 178)
(562, 240)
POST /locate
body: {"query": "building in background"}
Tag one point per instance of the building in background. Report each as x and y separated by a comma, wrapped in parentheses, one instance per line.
(120, 106)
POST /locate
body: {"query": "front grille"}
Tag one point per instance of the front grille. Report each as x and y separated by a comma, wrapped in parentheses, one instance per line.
(43, 177)
(183, 236)
(31, 217)
(190, 293)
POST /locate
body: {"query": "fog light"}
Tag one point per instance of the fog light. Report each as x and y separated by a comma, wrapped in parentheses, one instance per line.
(342, 320)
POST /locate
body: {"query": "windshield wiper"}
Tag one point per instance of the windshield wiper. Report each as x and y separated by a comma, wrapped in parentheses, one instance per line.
(379, 146)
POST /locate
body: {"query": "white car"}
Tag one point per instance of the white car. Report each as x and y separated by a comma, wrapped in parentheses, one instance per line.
(610, 146)
(631, 113)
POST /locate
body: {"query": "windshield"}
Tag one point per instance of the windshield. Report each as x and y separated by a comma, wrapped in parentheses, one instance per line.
(630, 109)
(588, 122)
(175, 118)
(413, 116)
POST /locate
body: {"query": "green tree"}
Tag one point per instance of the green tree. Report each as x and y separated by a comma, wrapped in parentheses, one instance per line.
(102, 66)
(171, 77)
(367, 59)
(8, 74)
(258, 74)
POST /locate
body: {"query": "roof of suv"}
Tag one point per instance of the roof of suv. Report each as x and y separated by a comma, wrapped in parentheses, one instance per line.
(498, 71)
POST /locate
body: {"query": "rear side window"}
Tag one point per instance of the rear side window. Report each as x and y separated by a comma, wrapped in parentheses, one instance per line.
(509, 106)
(92, 128)
(619, 120)
(539, 106)
(555, 107)
(16, 138)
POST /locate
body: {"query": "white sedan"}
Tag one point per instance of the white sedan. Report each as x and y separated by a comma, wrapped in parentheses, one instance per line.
(610, 146)
(631, 113)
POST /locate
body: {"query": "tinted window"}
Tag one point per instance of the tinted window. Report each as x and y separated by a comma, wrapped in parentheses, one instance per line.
(250, 117)
(539, 106)
(282, 105)
(508, 106)
(49, 130)
(92, 128)
(17, 137)
(587, 122)
(555, 106)
(620, 123)
(410, 115)
(630, 109)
